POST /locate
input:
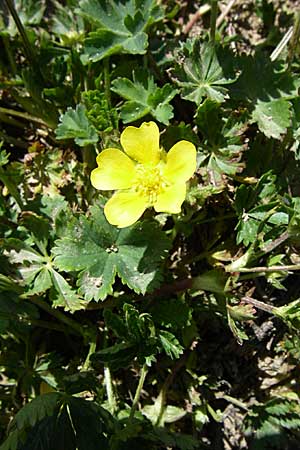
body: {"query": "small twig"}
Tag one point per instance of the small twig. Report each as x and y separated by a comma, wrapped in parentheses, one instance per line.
(282, 44)
(225, 12)
(195, 17)
(286, 268)
(278, 241)
(259, 305)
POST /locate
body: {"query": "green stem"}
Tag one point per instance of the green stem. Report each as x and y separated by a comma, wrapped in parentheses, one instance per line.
(286, 268)
(11, 60)
(29, 51)
(58, 315)
(112, 401)
(235, 402)
(144, 371)
(22, 115)
(213, 20)
(294, 42)
(92, 349)
(107, 80)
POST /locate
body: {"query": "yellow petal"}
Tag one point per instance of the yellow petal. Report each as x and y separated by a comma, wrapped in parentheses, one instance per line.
(181, 162)
(171, 199)
(124, 208)
(115, 171)
(142, 144)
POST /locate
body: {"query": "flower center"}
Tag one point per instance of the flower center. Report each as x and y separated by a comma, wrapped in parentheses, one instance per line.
(149, 182)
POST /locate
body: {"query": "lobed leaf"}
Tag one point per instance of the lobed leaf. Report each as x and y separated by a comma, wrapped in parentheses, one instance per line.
(99, 251)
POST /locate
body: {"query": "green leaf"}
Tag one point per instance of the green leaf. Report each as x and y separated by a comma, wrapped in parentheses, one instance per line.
(222, 144)
(116, 357)
(55, 417)
(144, 97)
(75, 124)
(201, 75)
(100, 251)
(99, 112)
(290, 314)
(170, 344)
(64, 295)
(32, 266)
(236, 329)
(171, 313)
(212, 281)
(15, 313)
(273, 117)
(66, 24)
(120, 26)
(30, 13)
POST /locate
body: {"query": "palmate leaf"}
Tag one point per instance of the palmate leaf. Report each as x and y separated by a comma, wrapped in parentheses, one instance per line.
(273, 117)
(222, 142)
(57, 420)
(38, 276)
(201, 75)
(144, 97)
(120, 26)
(268, 88)
(74, 124)
(99, 251)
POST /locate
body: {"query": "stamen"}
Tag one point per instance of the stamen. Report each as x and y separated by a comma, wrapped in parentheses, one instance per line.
(149, 182)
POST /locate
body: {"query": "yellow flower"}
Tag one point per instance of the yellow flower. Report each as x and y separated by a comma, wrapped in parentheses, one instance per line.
(144, 175)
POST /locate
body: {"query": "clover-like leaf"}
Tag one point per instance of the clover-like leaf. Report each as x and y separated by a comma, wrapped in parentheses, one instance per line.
(144, 97)
(201, 75)
(99, 251)
(119, 26)
(75, 124)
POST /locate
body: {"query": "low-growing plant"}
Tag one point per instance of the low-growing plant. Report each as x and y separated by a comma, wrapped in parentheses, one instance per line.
(165, 314)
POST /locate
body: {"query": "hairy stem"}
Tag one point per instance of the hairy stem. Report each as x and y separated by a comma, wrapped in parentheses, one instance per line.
(92, 348)
(138, 391)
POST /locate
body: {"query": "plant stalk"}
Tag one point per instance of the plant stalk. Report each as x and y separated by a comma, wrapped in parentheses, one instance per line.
(29, 51)
(143, 374)
(110, 390)
(213, 20)
(92, 348)
(294, 42)
(107, 80)
(58, 315)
